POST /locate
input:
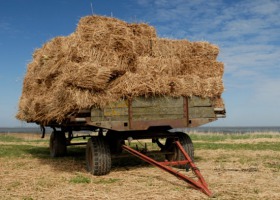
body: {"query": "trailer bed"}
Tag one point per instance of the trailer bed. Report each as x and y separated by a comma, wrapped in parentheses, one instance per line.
(142, 113)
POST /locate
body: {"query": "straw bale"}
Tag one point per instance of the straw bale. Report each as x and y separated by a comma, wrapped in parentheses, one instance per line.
(159, 65)
(202, 67)
(218, 102)
(106, 59)
(143, 30)
(184, 49)
(89, 76)
(205, 50)
(166, 47)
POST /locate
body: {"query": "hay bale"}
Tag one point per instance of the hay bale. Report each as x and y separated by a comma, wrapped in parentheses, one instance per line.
(106, 59)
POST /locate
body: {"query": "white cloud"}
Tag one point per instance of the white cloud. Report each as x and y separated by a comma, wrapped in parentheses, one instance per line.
(207, 19)
(246, 31)
(266, 7)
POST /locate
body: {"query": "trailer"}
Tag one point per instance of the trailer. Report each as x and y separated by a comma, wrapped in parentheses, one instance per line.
(138, 118)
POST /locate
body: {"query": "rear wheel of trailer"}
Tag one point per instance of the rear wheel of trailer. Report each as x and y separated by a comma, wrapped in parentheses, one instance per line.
(98, 156)
(57, 144)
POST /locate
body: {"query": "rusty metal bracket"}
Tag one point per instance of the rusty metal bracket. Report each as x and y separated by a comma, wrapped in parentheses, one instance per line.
(200, 185)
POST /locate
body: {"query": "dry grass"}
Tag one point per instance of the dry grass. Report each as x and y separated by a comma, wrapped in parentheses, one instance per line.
(231, 174)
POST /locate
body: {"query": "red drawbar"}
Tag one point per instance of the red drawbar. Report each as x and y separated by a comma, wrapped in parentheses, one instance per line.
(199, 185)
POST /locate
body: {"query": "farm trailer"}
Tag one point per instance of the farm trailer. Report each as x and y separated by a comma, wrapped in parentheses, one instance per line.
(138, 118)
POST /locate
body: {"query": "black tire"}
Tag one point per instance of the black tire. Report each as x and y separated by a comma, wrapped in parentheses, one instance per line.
(58, 147)
(187, 144)
(98, 156)
(114, 143)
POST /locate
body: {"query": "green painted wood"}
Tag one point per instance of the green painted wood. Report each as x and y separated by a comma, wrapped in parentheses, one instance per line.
(140, 102)
(152, 108)
(199, 102)
(108, 112)
(159, 110)
(95, 112)
(112, 118)
(155, 117)
(118, 104)
(116, 111)
(156, 108)
(201, 112)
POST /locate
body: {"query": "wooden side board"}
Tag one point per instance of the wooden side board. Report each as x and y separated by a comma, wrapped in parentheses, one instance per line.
(153, 110)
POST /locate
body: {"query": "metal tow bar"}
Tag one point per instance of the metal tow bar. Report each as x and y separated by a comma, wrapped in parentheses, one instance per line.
(199, 185)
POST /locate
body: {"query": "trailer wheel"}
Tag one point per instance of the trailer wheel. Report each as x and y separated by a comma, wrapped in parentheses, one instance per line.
(57, 144)
(187, 144)
(98, 156)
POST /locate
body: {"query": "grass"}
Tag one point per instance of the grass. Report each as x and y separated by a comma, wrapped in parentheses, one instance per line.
(236, 141)
(106, 180)
(10, 138)
(223, 137)
(80, 179)
(273, 164)
(27, 198)
(236, 166)
(274, 146)
(23, 150)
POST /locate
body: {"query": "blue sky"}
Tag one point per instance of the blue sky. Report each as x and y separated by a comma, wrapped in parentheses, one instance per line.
(247, 32)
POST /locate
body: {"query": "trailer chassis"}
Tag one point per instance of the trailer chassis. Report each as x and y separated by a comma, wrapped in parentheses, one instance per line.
(112, 143)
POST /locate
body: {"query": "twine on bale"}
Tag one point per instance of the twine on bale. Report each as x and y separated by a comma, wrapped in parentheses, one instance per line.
(107, 59)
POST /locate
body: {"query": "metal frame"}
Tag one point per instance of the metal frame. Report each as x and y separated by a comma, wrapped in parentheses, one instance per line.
(200, 185)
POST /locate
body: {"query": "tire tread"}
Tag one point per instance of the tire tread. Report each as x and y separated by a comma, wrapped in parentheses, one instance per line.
(98, 156)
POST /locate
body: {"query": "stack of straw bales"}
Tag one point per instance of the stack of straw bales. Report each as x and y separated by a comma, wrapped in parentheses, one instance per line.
(107, 59)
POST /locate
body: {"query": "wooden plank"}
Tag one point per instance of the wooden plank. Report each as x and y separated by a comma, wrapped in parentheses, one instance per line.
(96, 112)
(96, 115)
(117, 114)
(113, 118)
(199, 102)
(201, 112)
(140, 102)
(155, 117)
(108, 112)
(118, 104)
(157, 108)
(157, 111)
(116, 111)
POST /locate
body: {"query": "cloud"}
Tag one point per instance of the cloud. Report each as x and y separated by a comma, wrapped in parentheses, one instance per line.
(218, 20)
(265, 7)
(247, 33)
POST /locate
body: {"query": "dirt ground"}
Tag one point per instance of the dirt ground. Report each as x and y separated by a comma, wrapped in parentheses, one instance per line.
(230, 174)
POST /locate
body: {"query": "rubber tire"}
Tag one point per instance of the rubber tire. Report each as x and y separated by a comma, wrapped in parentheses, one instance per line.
(187, 144)
(58, 147)
(98, 156)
